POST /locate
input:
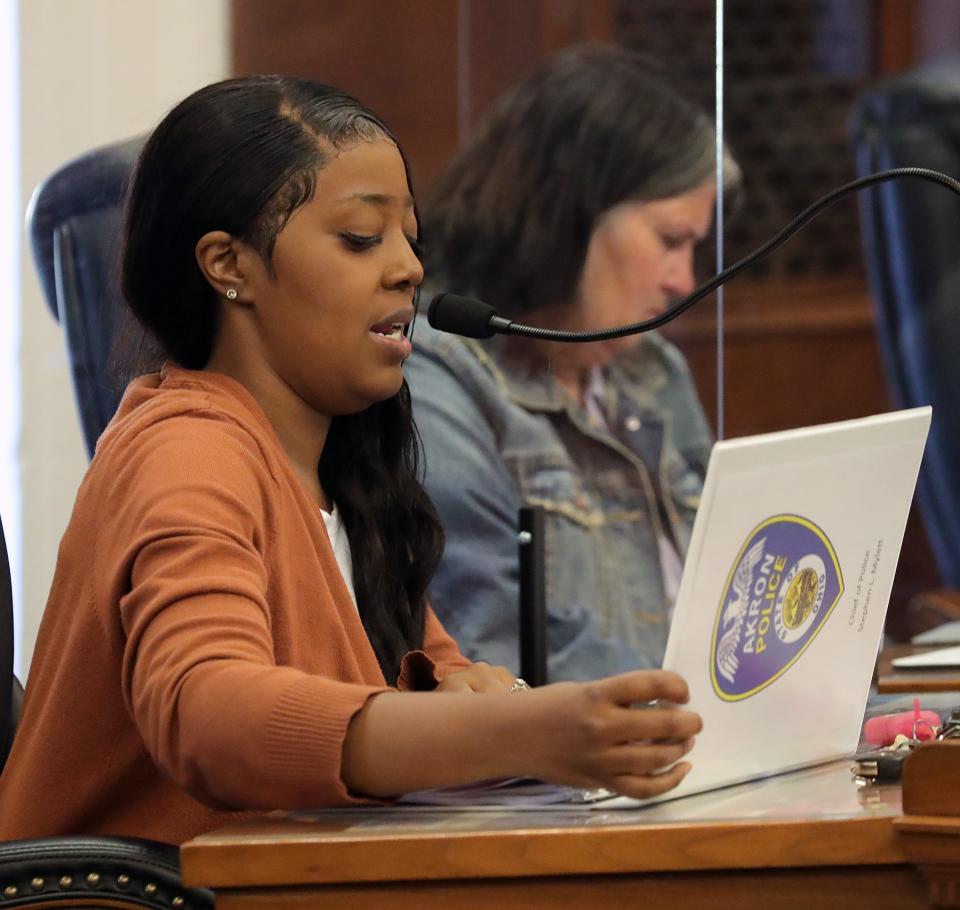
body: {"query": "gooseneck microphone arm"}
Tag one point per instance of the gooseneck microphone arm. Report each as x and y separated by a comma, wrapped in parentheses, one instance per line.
(474, 319)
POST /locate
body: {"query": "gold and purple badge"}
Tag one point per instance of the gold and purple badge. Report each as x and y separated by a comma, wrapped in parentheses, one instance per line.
(781, 589)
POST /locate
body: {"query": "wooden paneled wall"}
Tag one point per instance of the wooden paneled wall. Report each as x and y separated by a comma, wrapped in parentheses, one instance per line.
(430, 68)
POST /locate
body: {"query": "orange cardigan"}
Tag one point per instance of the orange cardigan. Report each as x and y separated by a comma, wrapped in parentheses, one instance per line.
(199, 652)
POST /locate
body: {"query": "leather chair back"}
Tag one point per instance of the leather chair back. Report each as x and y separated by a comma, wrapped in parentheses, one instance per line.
(8, 710)
(911, 234)
(74, 219)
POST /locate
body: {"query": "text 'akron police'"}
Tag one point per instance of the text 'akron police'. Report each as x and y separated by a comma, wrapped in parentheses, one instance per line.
(761, 605)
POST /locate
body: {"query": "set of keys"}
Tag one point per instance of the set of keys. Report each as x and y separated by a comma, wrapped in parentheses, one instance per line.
(885, 765)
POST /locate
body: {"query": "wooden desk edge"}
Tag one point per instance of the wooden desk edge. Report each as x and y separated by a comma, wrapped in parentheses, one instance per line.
(891, 680)
(926, 835)
(919, 681)
(233, 861)
(929, 829)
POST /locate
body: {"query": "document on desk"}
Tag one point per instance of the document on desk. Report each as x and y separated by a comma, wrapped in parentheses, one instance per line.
(780, 612)
(510, 793)
(785, 588)
(941, 659)
(946, 634)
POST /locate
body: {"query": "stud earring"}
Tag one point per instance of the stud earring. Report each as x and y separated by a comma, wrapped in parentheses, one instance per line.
(231, 293)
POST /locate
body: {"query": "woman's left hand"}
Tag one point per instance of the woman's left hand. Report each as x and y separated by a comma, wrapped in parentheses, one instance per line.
(481, 677)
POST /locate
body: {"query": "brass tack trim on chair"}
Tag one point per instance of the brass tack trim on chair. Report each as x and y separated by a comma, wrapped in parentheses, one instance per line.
(123, 881)
(66, 881)
(10, 891)
(36, 883)
(150, 888)
(177, 902)
(93, 878)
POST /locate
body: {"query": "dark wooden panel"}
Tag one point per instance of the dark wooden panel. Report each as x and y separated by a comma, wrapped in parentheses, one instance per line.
(797, 353)
(502, 46)
(430, 68)
(896, 31)
(929, 828)
(893, 888)
(400, 58)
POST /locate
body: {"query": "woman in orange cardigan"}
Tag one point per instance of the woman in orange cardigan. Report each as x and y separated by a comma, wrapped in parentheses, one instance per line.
(238, 619)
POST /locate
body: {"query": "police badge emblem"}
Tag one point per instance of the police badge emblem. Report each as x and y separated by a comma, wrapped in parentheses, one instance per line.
(782, 588)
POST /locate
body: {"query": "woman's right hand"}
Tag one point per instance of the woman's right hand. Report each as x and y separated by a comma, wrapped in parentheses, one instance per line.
(602, 734)
(594, 734)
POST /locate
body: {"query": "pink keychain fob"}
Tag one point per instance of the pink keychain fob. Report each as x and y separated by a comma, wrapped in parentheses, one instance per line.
(915, 724)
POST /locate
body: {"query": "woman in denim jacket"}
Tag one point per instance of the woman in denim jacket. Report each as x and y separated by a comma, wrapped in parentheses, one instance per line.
(577, 204)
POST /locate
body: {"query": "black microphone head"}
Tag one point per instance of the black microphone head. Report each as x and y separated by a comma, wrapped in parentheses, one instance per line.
(461, 316)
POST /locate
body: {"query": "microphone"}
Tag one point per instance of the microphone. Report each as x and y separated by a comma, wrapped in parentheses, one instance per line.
(465, 316)
(476, 319)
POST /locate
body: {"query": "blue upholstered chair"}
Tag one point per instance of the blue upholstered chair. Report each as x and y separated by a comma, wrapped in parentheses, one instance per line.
(74, 223)
(911, 232)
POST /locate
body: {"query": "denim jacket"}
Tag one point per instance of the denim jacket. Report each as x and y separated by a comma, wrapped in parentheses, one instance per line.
(499, 432)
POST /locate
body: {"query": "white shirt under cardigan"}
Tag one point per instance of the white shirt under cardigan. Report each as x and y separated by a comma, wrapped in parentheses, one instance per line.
(341, 547)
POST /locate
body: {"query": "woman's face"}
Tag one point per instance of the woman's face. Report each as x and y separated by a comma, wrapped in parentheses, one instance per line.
(640, 260)
(332, 321)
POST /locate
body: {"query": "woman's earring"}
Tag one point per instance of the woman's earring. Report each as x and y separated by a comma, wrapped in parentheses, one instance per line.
(231, 293)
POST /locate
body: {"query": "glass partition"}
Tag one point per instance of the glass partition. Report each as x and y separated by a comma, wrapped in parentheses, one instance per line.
(798, 341)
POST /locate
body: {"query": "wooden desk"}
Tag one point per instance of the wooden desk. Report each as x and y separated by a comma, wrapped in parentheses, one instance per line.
(813, 838)
(890, 680)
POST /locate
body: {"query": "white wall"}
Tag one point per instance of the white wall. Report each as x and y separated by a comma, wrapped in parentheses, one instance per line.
(9, 284)
(91, 72)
